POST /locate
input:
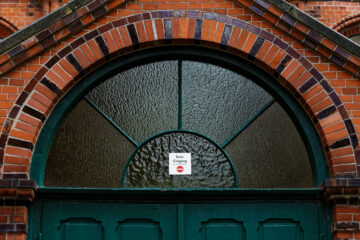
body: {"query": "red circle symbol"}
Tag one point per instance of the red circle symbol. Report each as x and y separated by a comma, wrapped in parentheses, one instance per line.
(179, 169)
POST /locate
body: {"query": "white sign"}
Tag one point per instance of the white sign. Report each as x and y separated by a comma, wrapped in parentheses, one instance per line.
(179, 163)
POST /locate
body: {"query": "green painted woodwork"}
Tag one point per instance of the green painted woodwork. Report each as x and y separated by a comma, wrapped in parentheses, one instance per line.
(105, 221)
(186, 214)
(182, 221)
(222, 229)
(81, 229)
(258, 221)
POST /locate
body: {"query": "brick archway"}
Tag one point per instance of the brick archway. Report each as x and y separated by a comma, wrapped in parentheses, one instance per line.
(7, 27)
(349, 25)
(145, 30)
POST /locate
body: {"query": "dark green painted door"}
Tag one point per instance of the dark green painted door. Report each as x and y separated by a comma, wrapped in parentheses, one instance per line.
(262, 221)
(228, 221)
(105, 221)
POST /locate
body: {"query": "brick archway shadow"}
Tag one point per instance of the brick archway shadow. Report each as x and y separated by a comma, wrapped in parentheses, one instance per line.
(158, 28)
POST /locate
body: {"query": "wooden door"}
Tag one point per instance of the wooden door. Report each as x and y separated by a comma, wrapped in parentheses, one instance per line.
(71, 220)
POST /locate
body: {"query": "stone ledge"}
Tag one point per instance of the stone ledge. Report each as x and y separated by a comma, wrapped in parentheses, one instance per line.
(346, 227)
(341, 191)
(17, 190)
(13, 227)
(348, 181)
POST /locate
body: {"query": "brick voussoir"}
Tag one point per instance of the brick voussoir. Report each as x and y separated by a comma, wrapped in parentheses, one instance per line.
(45, 39)
(313, 38)
(259, 7)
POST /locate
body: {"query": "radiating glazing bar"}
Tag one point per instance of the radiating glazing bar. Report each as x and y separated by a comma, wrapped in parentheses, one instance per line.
(248, 123)
(111, 121)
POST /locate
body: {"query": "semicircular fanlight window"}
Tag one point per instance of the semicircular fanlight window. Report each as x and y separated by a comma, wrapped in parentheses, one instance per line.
(123, 131)
(355, 38)
(210, 166)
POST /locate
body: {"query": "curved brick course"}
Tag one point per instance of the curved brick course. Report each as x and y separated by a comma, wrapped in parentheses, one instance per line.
(349, 26)
(7, 27)
(11, 25)
(346, 21)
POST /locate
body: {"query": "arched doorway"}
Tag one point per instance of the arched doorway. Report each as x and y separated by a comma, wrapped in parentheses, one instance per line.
(256, 160)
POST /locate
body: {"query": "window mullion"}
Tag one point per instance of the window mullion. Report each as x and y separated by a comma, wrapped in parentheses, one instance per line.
(112, 122)
(248, 123)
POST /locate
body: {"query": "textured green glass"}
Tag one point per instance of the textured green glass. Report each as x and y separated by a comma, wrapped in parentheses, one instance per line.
(149, 167)
(143, 100)
(87, 151)
(270, 153)
(216, 101)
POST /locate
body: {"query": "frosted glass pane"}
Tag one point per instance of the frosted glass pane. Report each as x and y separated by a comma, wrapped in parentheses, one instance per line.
(87, 151)
(143, 100)
(270, 153)
(210, 167)
(218, 102)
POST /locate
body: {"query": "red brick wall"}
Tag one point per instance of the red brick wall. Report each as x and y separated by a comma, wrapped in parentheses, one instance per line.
(328, 12)
(13, 216)
(24, 127)
(347, 214)
(25, 12)
(21, 12)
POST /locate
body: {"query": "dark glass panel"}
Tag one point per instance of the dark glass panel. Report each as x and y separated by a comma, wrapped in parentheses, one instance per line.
(150, 165)
(87, 151)
(143, 100)
(270, 153)
(356, 38)
(218, 102)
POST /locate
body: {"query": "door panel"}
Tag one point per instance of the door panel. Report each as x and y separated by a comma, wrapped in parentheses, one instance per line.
(262, 221)
(81, 229)
(228, 221)
(281, 230)
(138, 229)
(222, 229)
